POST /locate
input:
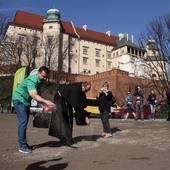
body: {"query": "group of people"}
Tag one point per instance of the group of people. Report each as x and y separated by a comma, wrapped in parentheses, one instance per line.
(70, 98)
(67, 97)
(138, 102)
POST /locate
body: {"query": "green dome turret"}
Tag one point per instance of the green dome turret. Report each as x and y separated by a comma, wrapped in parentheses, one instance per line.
(151, 44)
(53, 15)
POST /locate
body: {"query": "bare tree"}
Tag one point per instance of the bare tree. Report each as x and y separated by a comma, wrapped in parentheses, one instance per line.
(3, 21)
(51, 46)
(157, 36)
(9, 54)
(29, 50)
(57, 54)
(20, 52)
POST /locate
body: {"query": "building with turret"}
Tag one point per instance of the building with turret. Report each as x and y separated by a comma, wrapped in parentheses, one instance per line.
(62, 46)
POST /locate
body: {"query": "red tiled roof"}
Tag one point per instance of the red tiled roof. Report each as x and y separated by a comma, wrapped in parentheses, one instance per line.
(36, 21)
(28, 19)
(97, 36)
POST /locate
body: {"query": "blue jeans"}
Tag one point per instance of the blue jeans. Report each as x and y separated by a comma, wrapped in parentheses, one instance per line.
(152, 111)
(23, 117)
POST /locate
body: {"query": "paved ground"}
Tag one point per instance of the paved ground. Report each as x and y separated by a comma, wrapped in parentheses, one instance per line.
(134, 146)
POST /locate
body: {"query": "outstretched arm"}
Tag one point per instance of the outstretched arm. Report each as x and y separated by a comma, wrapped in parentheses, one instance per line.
(35, 96)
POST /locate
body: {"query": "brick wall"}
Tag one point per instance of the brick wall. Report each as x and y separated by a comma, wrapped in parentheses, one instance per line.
(119, 83)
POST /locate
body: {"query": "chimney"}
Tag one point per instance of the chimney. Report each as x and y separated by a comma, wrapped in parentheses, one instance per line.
(84, 27)
(121, 35)
(132, 38)
(108, 33)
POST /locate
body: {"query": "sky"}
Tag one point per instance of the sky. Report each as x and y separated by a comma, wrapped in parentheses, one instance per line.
(119, 16)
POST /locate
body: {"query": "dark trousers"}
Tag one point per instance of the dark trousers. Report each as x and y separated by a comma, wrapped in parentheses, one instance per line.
(104, 114)
(139, 110)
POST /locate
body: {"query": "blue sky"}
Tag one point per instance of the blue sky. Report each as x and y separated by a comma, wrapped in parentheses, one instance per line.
(118, 16)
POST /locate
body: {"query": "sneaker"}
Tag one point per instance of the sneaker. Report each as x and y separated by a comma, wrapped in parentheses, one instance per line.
(25, 150)
(108, 135)
(29, 147)
(104, 134)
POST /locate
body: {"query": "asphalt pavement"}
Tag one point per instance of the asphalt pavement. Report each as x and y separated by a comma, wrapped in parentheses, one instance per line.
(133, 146)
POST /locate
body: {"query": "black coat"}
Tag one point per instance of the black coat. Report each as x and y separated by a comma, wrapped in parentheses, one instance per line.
(67, 96)
(139, 94)
(151, 98)
(104, 101)
(72, 93)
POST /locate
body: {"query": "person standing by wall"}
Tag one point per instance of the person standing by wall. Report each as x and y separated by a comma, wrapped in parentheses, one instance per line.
(167, 92)
(104, 97)
(27, 90)
(1, 107)
(139, 100)
(152, 104)
(129, 104)
(8, 107)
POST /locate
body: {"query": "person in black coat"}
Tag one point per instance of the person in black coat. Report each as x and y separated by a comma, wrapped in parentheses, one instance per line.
(168, 102)
(139, 100)
(152, 103)
(67, 96)
(104, 97)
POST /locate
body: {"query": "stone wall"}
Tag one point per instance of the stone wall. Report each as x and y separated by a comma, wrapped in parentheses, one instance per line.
(119, 83)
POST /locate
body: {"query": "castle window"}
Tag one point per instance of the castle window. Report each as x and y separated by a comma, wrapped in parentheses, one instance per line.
(50, 27)
(136, 52)
(109, 54)
(50, 40)
(97, 63)
(133, 51)
(97, 53)
(35, 41)
(109, 65)
(21, 39)
(128, 50)
(85, 50)
(85, 60)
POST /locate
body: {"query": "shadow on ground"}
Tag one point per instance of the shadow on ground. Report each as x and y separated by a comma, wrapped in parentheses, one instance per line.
(75, 139)
(41, 165)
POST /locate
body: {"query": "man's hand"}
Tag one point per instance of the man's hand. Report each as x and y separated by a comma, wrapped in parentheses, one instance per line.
(87, 120)
(49, 103)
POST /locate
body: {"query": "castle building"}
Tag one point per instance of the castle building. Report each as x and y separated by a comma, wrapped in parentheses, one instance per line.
(64, 47)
